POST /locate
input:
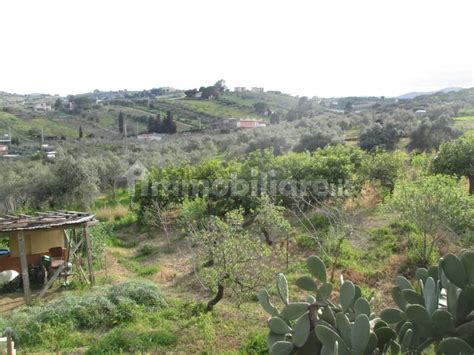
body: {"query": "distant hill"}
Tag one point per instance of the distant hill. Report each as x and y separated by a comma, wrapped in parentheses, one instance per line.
(97, 115)
(412, 95)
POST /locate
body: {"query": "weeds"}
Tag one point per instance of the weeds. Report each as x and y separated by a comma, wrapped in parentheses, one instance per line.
(135, 265)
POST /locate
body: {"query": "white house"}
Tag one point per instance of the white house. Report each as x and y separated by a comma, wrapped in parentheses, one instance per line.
(42, 107)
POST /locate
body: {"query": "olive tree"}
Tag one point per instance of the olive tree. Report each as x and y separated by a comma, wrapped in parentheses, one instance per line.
(430, 134)
(109, 168)
(76, 182)
(457, 158)
(379, 136)
(226, 256)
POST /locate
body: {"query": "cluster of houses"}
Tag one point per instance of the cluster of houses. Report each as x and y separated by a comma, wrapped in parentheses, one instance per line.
(49, 152)
(244, 89)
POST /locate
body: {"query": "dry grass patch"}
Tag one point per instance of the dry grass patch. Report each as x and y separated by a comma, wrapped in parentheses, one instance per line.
(111, 213)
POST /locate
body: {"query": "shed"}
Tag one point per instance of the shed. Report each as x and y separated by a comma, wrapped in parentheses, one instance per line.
(30, 238)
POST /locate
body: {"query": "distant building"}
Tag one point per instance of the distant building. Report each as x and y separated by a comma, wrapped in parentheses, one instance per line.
(3, 149)
(5, 139)
(250, 123)
(148, 137)
(236, 123)
(42, 107)
(10, 156)
(257, 89)
(226, 123)
(240, 89)
(420, 113)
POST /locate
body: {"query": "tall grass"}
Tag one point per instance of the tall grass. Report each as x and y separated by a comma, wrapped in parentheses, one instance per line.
(111, 213)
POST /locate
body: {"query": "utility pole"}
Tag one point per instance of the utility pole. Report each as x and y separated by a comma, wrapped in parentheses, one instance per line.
(42, 137)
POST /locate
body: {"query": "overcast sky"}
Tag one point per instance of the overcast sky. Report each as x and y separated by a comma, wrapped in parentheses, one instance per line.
(330, 48)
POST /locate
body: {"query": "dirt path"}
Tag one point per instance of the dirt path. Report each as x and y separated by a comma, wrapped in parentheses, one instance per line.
(176, 274)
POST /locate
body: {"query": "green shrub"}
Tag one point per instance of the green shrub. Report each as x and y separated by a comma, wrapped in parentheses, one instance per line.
(305, 241)
(255, 344)
(142, 292)
(102, 308)
(319, 222)
(85, 312)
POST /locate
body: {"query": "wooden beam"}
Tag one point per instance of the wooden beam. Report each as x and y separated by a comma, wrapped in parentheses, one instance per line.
(24, 267)
(89, 255)
(51, 280)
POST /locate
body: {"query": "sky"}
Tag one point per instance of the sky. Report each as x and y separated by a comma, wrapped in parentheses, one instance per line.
(313, 48)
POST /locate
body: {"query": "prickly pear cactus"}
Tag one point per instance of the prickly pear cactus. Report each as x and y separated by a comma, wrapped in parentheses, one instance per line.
(437, 312)
(320, 326)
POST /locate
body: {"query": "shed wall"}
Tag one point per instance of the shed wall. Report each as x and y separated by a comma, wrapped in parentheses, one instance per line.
(38, 242)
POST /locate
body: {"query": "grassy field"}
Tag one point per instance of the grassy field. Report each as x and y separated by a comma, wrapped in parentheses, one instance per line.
(33, 127)
(217, 108)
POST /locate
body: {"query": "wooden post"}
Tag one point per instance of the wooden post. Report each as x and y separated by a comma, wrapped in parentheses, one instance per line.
(89, 255)
(72, 239)
(10, 344)
(24, 267)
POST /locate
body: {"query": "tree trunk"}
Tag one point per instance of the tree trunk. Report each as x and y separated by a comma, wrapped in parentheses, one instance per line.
(268, 238)
(216, 299)
(113, 192)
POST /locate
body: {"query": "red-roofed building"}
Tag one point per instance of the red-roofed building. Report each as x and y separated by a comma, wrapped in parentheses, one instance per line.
(251, 123)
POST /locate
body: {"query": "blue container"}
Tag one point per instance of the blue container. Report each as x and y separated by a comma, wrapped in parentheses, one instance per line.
(4, 252)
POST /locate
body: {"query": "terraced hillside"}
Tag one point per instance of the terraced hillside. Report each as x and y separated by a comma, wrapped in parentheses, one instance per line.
(101, 120)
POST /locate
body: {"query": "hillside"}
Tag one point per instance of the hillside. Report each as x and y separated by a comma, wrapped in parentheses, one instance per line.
(99, 117)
